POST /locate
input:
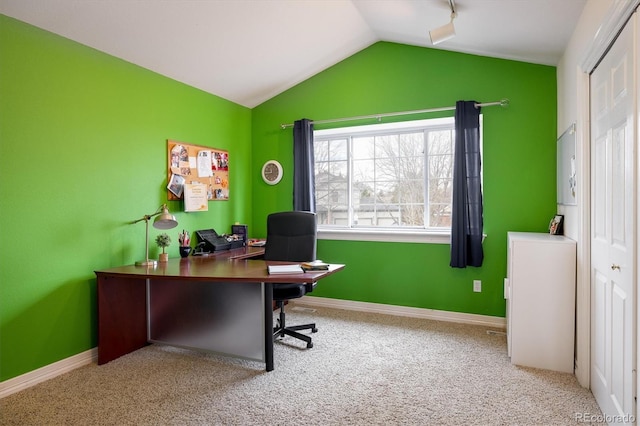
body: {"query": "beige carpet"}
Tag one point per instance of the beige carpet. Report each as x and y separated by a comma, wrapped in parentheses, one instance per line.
(364, 369)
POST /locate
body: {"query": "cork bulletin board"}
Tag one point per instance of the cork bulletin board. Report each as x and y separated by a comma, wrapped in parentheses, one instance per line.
(196, 164)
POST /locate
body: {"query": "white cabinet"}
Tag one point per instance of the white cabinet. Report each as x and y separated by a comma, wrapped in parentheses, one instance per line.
(540, 293)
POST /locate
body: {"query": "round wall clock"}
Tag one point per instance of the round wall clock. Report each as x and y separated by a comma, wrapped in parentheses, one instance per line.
(272, 172)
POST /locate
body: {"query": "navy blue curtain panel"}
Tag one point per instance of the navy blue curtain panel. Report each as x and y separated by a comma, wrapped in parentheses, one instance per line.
(466, 220)
(304, 194)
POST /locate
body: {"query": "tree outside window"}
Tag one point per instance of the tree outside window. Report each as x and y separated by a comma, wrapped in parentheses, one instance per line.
(396, 176)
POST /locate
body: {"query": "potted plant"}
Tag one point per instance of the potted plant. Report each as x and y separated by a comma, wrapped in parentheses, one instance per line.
(163, 241)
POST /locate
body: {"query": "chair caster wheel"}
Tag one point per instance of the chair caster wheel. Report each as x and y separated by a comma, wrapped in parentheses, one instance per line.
(314, 330)
(309, 345)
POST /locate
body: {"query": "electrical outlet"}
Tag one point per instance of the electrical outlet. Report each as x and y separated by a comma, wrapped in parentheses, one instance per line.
(477, 286)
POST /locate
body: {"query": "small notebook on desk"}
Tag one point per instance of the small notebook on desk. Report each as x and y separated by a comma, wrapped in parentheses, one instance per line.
(284, 269)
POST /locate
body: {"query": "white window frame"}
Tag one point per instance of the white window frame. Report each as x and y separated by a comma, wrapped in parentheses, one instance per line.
(430, 236)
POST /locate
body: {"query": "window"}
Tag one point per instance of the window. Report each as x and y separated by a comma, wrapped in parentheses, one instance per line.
(385, 178)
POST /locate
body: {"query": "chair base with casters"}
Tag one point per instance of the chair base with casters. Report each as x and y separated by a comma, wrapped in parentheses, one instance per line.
(282, 293)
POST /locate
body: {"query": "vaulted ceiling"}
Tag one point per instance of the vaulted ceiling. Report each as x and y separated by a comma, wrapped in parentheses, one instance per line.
(248, 51)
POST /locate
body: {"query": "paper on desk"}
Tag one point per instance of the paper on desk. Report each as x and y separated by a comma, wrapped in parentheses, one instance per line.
(284, 269)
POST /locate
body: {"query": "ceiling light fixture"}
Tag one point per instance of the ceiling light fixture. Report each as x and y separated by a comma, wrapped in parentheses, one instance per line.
(444, 32)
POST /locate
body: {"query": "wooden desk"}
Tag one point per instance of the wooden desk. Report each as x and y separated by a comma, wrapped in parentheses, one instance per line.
(167, 303)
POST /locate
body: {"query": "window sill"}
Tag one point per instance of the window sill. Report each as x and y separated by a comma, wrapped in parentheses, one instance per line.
(386, 235)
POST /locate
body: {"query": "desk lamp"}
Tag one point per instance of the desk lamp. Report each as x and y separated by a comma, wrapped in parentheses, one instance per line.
(164, 220)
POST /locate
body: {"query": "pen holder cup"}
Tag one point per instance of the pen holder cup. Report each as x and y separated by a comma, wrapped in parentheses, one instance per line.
(184, 251)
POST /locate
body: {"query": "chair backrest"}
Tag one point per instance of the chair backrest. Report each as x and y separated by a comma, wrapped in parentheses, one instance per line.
(291, 236)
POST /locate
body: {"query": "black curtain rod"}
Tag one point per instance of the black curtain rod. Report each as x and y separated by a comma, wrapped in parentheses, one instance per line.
(503, 103)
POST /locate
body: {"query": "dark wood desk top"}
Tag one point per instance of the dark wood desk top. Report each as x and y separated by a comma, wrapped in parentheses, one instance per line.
(230, 266)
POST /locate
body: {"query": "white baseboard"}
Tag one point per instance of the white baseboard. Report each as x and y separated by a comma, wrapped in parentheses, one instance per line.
(403, 311)
(47, 372)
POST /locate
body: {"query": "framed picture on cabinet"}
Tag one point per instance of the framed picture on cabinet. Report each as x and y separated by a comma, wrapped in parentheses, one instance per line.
(556, 225)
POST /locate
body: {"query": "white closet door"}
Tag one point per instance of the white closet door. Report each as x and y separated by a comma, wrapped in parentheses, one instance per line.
(613, 273)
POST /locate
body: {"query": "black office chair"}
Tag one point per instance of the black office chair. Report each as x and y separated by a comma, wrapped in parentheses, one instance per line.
(291, 236)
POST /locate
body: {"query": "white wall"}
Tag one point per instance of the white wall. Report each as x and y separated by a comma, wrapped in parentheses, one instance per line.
(567, 74)
(573, 108)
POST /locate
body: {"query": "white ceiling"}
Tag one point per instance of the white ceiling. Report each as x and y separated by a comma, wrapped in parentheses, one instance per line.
(248, 51)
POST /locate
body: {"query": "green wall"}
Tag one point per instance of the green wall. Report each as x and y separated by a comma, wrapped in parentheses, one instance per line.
(518, 166)
(82, 153)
